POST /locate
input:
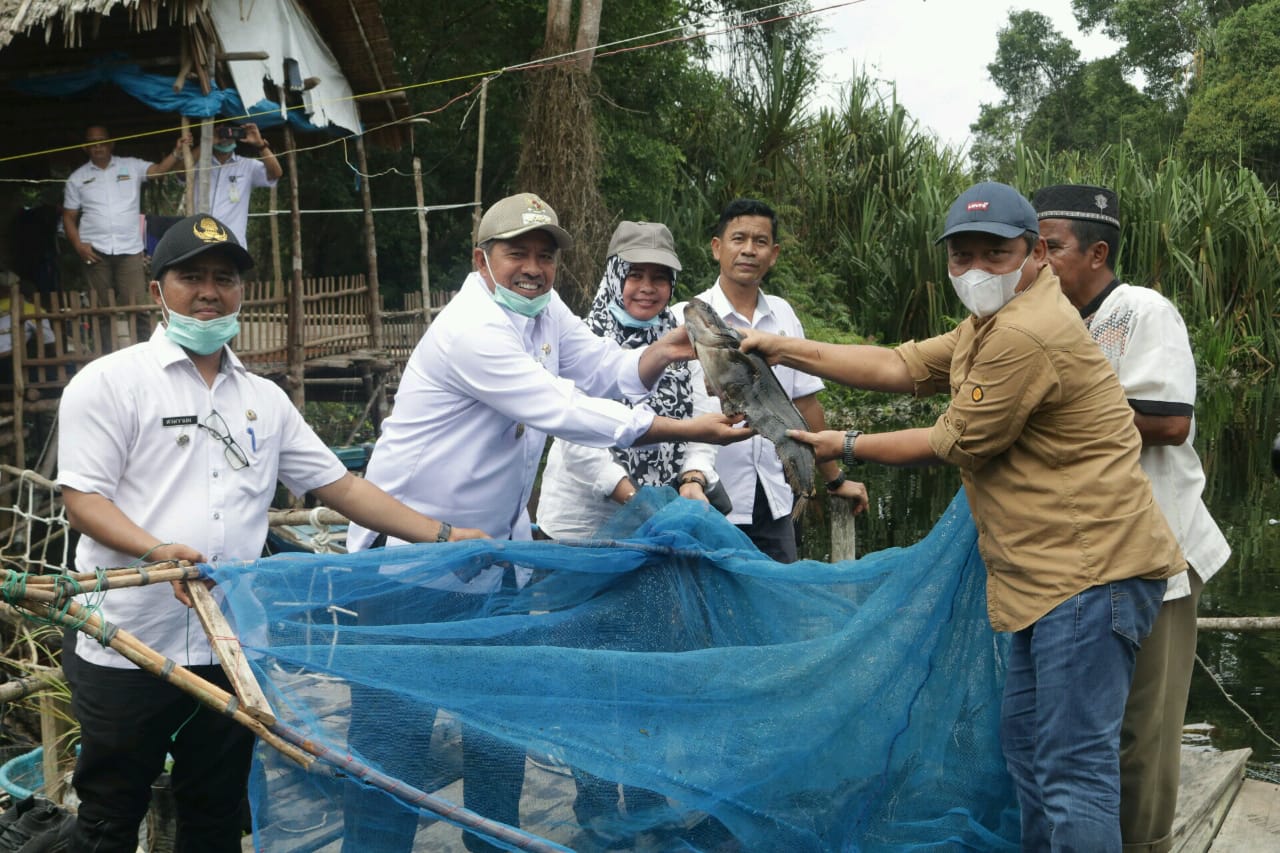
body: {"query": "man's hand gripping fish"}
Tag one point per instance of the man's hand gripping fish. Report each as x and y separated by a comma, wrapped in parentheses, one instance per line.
(747, 386)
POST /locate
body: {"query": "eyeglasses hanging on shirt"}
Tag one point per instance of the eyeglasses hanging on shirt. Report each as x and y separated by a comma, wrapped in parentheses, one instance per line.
(217, 427)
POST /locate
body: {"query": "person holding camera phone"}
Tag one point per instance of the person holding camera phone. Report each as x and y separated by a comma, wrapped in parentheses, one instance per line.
(233, 177)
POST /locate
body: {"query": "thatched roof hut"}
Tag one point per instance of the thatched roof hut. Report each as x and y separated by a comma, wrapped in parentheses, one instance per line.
(189, 40)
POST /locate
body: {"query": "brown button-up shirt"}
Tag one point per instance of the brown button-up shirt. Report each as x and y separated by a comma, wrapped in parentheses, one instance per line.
(1046, 445)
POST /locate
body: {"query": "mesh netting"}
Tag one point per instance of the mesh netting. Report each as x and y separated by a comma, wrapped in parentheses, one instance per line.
(667, 689)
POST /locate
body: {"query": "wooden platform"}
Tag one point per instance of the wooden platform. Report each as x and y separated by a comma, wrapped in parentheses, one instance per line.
(1221, 811)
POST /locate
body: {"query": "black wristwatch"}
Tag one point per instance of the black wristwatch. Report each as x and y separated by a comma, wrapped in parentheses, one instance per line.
(839, 481)
(693, 477)
(847, 457)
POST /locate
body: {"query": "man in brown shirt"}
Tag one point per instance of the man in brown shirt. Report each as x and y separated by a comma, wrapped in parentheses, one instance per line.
(1075, 546)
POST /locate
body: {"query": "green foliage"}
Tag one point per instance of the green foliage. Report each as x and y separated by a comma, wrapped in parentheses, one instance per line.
(1054, 102)
(1235, 113)
(1204, 237)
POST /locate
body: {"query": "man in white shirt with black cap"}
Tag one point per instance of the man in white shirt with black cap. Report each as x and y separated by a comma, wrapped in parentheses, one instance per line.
(171, 450)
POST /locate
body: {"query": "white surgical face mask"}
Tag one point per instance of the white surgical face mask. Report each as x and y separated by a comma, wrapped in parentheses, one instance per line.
(985, 293)
(203, 337)
(509, 299)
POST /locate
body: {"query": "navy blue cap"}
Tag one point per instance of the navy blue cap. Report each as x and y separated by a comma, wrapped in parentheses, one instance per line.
(991, 208)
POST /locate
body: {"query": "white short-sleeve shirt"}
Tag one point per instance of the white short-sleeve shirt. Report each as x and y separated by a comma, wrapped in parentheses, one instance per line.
(109, 201)
(230, 185)
(740, 464)
(127, 431)
(480, 394)
(1143, 336)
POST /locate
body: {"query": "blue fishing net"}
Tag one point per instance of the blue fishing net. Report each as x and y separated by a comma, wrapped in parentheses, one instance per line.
(665, 687)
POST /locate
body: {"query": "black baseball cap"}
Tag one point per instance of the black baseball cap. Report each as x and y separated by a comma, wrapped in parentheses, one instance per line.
(992, 208)
(192, 236)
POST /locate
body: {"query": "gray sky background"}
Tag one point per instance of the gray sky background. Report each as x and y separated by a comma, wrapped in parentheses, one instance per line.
(935, 51)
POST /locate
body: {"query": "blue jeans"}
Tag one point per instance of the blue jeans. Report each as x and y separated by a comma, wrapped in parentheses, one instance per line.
(1068, 680)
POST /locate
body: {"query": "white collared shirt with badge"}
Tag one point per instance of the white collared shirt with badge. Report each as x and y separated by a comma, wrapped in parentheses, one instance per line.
(1143, 336)
(740, 464)
(109, 201)
(128, 431)
(480, 394)
(230, 185)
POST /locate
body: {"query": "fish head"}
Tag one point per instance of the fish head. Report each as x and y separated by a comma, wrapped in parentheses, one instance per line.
(705, 327)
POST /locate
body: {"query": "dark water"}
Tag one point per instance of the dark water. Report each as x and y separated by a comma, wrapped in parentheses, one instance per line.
(1235, 429)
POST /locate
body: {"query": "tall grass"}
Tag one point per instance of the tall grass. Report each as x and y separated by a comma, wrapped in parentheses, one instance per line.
(1207, 238)
(862, 193)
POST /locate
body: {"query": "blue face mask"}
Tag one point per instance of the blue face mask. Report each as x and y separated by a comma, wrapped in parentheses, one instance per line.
(224, 147)
(202, 337)
(624, 319)
(509, 299)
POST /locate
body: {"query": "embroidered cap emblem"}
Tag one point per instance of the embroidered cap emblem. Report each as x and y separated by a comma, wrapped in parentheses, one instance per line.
(1101, 201)
(207, 230)
(977, 205)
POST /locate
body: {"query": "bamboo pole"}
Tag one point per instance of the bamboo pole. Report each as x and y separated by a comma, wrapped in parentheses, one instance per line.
(378, 392)
(1242, 624)
(295, 370)
(423, 272)
(54, 604)
(17, 334)
(20, 688)
(224, 642)
(370, 249)
(306, 516)
(476, 211)
(277, 274)
(189, 194)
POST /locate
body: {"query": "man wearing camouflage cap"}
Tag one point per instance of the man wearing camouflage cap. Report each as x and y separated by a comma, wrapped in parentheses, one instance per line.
(503, 366)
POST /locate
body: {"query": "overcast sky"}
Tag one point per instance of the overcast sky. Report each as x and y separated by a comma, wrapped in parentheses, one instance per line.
(936, 51)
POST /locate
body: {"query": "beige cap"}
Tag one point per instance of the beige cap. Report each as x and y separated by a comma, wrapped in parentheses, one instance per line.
(519, 214)
(644, 243)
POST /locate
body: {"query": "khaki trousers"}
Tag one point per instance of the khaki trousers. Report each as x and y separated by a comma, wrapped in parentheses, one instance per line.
(1151, 734)
(125, 277)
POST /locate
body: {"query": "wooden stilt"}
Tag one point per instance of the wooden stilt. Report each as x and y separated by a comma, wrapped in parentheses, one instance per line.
(422, 237)
(296, 354)
(376, 342)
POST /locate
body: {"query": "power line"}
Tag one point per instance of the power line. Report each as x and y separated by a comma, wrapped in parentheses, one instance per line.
(614, 48)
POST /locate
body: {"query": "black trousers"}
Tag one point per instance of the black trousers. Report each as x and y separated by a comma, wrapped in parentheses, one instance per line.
(129, 721)
(492, 770)
(775, 537)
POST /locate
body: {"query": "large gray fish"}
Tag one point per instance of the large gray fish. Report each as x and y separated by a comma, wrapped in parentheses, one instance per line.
(745, 384)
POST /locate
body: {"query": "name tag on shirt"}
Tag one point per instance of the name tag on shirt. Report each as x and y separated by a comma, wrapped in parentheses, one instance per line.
(179, 420)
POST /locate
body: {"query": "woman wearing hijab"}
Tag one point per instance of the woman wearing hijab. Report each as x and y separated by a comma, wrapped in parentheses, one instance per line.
(582, 487)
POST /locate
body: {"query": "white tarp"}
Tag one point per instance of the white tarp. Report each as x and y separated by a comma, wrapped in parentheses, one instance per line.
(284, 31)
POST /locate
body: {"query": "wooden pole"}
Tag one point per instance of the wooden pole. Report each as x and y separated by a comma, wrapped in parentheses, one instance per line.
(295, 369)
(18, 336)
(476, 211)
(422, 237)
(188, 174)
(844, 541)
(1241, 624)
(370, 249)
(205, 169)
(59, 754)
(378, 393)
(277, 274)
